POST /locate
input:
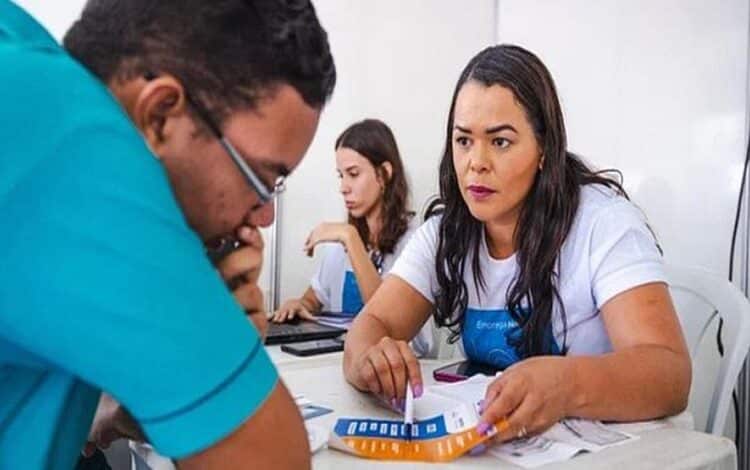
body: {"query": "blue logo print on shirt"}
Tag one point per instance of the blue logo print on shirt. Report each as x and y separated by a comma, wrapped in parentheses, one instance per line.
(487, 335)
(351, 299)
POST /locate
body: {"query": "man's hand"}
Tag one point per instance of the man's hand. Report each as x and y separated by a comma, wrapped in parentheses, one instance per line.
(111, 422)
(240, 270)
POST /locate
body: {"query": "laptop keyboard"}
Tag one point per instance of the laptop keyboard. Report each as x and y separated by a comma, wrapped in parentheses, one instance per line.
(277, 329)
(292, 332)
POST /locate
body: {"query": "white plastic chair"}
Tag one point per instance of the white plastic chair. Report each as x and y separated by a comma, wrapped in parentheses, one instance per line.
(718, 298)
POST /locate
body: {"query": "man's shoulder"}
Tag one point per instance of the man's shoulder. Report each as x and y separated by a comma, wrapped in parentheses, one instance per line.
(20, 28)
(62, 124)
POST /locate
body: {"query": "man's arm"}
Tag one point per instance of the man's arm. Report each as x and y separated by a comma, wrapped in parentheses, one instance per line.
(273, 437)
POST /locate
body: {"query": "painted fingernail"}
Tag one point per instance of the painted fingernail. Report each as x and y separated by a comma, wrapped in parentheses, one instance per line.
(478, 450)
(482, 404)
(418, 390)
(482, 428)
(394, 403)
(402, 405)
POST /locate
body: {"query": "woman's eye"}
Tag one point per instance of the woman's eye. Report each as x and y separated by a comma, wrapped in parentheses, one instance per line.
(501, 142)
(462, 141)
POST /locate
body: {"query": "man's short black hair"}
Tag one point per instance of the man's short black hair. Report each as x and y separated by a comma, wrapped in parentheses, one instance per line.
(226, 53)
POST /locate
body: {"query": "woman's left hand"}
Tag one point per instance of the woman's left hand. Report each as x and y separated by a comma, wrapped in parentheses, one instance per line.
(328, 232)
(527, 398)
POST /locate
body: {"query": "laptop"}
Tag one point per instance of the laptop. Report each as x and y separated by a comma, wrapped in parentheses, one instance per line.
(300, 330)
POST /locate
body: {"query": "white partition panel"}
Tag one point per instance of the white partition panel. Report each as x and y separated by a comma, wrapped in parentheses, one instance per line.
(658, 90)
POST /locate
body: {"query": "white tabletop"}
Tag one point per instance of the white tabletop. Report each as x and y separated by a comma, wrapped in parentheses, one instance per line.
(320, 379)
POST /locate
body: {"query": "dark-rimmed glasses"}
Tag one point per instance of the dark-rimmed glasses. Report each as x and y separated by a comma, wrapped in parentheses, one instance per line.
(265, 194)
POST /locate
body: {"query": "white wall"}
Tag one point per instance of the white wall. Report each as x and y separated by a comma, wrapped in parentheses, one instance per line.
(657, 89)
(56, 16)
(397, 61)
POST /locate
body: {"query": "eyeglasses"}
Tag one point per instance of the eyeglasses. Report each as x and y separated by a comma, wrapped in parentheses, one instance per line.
(265, 194)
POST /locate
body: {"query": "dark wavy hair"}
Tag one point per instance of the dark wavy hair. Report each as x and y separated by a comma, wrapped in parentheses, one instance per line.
(226, 53)
(546, 215)
(374, 140)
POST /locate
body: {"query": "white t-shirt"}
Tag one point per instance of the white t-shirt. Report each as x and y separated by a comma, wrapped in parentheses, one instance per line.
(609, 250)
(335, 285)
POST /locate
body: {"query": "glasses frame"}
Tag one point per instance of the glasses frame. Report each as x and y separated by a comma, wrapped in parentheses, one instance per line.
(265, 194)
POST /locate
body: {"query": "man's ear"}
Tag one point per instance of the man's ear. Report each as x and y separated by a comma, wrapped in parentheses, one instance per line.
(159, 100)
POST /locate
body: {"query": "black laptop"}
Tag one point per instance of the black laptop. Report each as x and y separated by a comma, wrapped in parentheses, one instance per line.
(300, 330)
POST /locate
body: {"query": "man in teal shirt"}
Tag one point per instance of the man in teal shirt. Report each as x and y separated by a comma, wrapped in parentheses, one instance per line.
(104, 282)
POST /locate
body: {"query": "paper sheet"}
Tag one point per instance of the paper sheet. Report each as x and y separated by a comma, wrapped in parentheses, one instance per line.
(562, 441)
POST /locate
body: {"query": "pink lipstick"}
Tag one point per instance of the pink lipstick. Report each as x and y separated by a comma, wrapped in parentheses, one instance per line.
(479, 192)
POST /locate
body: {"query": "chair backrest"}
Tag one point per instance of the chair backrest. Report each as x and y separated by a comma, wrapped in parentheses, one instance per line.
(720, 299)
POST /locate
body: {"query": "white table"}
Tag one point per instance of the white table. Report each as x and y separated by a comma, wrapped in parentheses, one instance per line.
(320, 379)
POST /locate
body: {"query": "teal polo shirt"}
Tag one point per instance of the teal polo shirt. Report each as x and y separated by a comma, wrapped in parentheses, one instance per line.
(103, 286)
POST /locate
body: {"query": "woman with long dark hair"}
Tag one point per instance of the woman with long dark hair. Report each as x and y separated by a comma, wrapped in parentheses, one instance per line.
(540, 265)
(376, 195)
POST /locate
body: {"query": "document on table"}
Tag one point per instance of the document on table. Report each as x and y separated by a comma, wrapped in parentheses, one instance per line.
(562, 441)
(308, 409)
(445, 417)
(444, 428)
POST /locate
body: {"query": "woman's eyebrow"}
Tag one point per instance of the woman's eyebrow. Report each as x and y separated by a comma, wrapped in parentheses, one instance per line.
(499, 128)
(489, 130)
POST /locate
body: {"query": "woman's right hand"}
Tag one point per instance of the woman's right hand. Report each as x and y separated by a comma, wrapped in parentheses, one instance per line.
(290, 309)
(385, 368)
(329, 232)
